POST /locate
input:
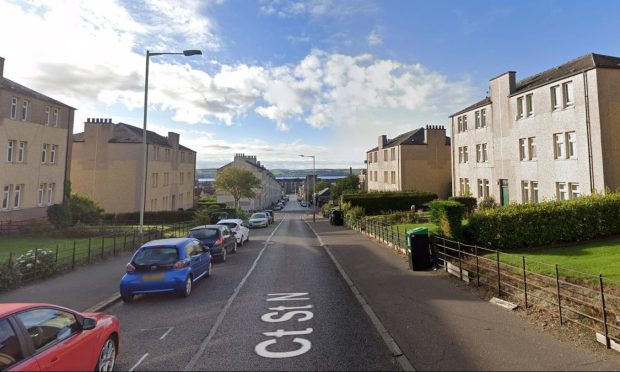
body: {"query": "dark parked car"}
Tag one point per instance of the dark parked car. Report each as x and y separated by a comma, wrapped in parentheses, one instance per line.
(166, 265)
(218, 238)
(270, 214)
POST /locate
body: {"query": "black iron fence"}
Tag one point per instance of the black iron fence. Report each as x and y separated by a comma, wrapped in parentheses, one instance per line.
(587, 300)
(25, 265)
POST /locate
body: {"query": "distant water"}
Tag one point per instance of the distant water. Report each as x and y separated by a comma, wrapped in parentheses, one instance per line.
(283, 178)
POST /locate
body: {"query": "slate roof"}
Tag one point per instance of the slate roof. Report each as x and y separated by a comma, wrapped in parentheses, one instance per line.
(17, 88)
(259, 167)
(570, 68)
(573, 67)
(414, 137)
(484, 102)
(125, 133)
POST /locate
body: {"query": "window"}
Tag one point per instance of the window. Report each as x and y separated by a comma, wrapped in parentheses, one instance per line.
(153, 204)
(567, 89)
(13, 107)
(485, 156)
(154, 179)
(17, 196)
(534, 187)
(556, 100)
(467, 192)
(461, 186)
(50, 193)
(41, 194)
(167, 155)
(55, 117)
(481, 153)
(52, 154)
(5, 196)
(558, 139)
(181, 178)
(46, 119)
(181, 199)
(520, 108)
(44, 153)
(571, 141)
(9, 151)
(464, 123)
(369, 157)
(10, 348)
(574, 190)
(522, 149)
(166, 179)
(393, 154)
(483, 118)
(385, 177)
(487, 190)
(48, 326)
(155, 153)
(24, 110)
(478, 153)
(165, 203)
(21, 152)
(477, 120)
(385, 155)
(529, 106)
(460, 154)
(525, 191)
(374, 157)
(561, 190)
(393, 176)
(531, 145)
(465, 155)
(460, 124)
(480, 189)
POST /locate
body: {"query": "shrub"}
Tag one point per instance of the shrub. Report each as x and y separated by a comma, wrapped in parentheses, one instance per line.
(84, 210)
(487, 203)
(356, 212)
(10, 275)
(150, 217)
(530, 225)
(59, 215)
(212, 205)
(447, 214)
(45, 262)
(469, 203)
(202, 216)
(376, 202)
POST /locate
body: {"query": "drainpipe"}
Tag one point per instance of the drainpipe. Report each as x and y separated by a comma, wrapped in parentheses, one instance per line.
(588, 130)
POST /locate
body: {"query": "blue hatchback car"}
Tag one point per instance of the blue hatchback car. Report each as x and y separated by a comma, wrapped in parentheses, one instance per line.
(166, 265)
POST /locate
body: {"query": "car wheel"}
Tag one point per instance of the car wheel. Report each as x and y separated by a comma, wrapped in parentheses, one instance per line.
(187, 290)
(107, 355)
(127, 298)
(234, 250)
(210, 269)
(247, 238)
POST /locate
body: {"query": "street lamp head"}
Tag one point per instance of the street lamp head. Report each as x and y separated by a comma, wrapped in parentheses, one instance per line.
(192, 52)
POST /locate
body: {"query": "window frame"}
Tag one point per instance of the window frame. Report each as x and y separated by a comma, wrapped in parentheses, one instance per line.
(520, 108)
(41, 195)
(5, 202)
(556, 98)
(523, 149)
(17, 196)
(477, 119)
(46, 118)
(50, 193)
(53, 154)
(13, 112)
(559, 144)
(21, 151)
(44, 153)
(566, 92)
(571, 145)
(55, 115)
(525, 192)
(56, 340)
(483, 118)
(558, 189)
(25, 106)
(10, 151)
(529, 105)
(15, 327)
(531, 148)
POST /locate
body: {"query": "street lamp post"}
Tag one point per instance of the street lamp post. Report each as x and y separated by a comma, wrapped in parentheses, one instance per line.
(186, 53)
(314, 198)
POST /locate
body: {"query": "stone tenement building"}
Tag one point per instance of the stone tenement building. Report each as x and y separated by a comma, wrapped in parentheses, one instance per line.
(107, 167)
(269, 192)
(416, 160)
(553, 135)
(35, 150)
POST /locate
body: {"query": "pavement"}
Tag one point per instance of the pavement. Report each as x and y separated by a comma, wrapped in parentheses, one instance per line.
(439, 326)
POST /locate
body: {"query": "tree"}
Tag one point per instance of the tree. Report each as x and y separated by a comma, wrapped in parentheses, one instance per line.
(84, 210)
(321, 185)
(349, 183)
(238, 182)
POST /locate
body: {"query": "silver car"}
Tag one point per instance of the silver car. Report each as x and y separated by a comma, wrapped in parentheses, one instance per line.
(259, 220)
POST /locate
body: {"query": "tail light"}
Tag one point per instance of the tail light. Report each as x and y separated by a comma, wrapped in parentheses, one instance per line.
(130, 268)
(219, 241)
(180, 264)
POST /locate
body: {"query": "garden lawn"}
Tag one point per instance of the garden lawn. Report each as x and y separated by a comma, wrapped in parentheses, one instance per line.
(583, 261)
(402, 228)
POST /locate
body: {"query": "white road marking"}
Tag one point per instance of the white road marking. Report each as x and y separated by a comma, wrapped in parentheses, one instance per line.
(203, 346)
(139, 361)
(166, 334)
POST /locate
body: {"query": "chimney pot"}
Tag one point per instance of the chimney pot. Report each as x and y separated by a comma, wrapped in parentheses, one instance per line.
(1, 67)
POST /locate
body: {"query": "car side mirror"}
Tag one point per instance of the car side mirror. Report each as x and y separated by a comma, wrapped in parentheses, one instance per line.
(88, 324)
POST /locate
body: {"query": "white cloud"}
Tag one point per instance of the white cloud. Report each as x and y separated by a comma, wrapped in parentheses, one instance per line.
(315, 8)
(374, 38)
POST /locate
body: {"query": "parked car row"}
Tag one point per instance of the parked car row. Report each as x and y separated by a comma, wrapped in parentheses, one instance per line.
(37, 337)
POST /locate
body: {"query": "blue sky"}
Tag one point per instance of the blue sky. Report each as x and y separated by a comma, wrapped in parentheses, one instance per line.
(279, 78)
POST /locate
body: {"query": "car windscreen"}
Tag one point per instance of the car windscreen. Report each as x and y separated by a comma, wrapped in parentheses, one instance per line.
(230, 225)
(258, 215)
(204, 234)
(156, 255)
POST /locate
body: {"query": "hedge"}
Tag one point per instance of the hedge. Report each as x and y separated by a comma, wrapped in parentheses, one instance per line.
(150, 217)
(532, 225)
(469, 203)
(448, 214)
(376, 202)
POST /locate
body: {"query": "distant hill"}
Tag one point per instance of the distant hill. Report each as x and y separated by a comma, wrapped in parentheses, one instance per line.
(211, 172)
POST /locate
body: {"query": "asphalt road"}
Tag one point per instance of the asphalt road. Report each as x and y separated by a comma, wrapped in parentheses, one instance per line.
(278, 304)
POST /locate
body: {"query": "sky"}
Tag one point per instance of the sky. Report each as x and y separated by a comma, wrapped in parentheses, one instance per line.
(281, 78)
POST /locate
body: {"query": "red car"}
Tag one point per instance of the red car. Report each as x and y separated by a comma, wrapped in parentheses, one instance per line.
(41, 337)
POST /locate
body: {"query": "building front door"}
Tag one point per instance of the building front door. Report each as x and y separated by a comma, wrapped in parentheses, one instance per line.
(503, 192)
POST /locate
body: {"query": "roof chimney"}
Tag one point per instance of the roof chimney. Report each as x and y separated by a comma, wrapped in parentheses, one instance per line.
(382, 140)
(1, 67)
